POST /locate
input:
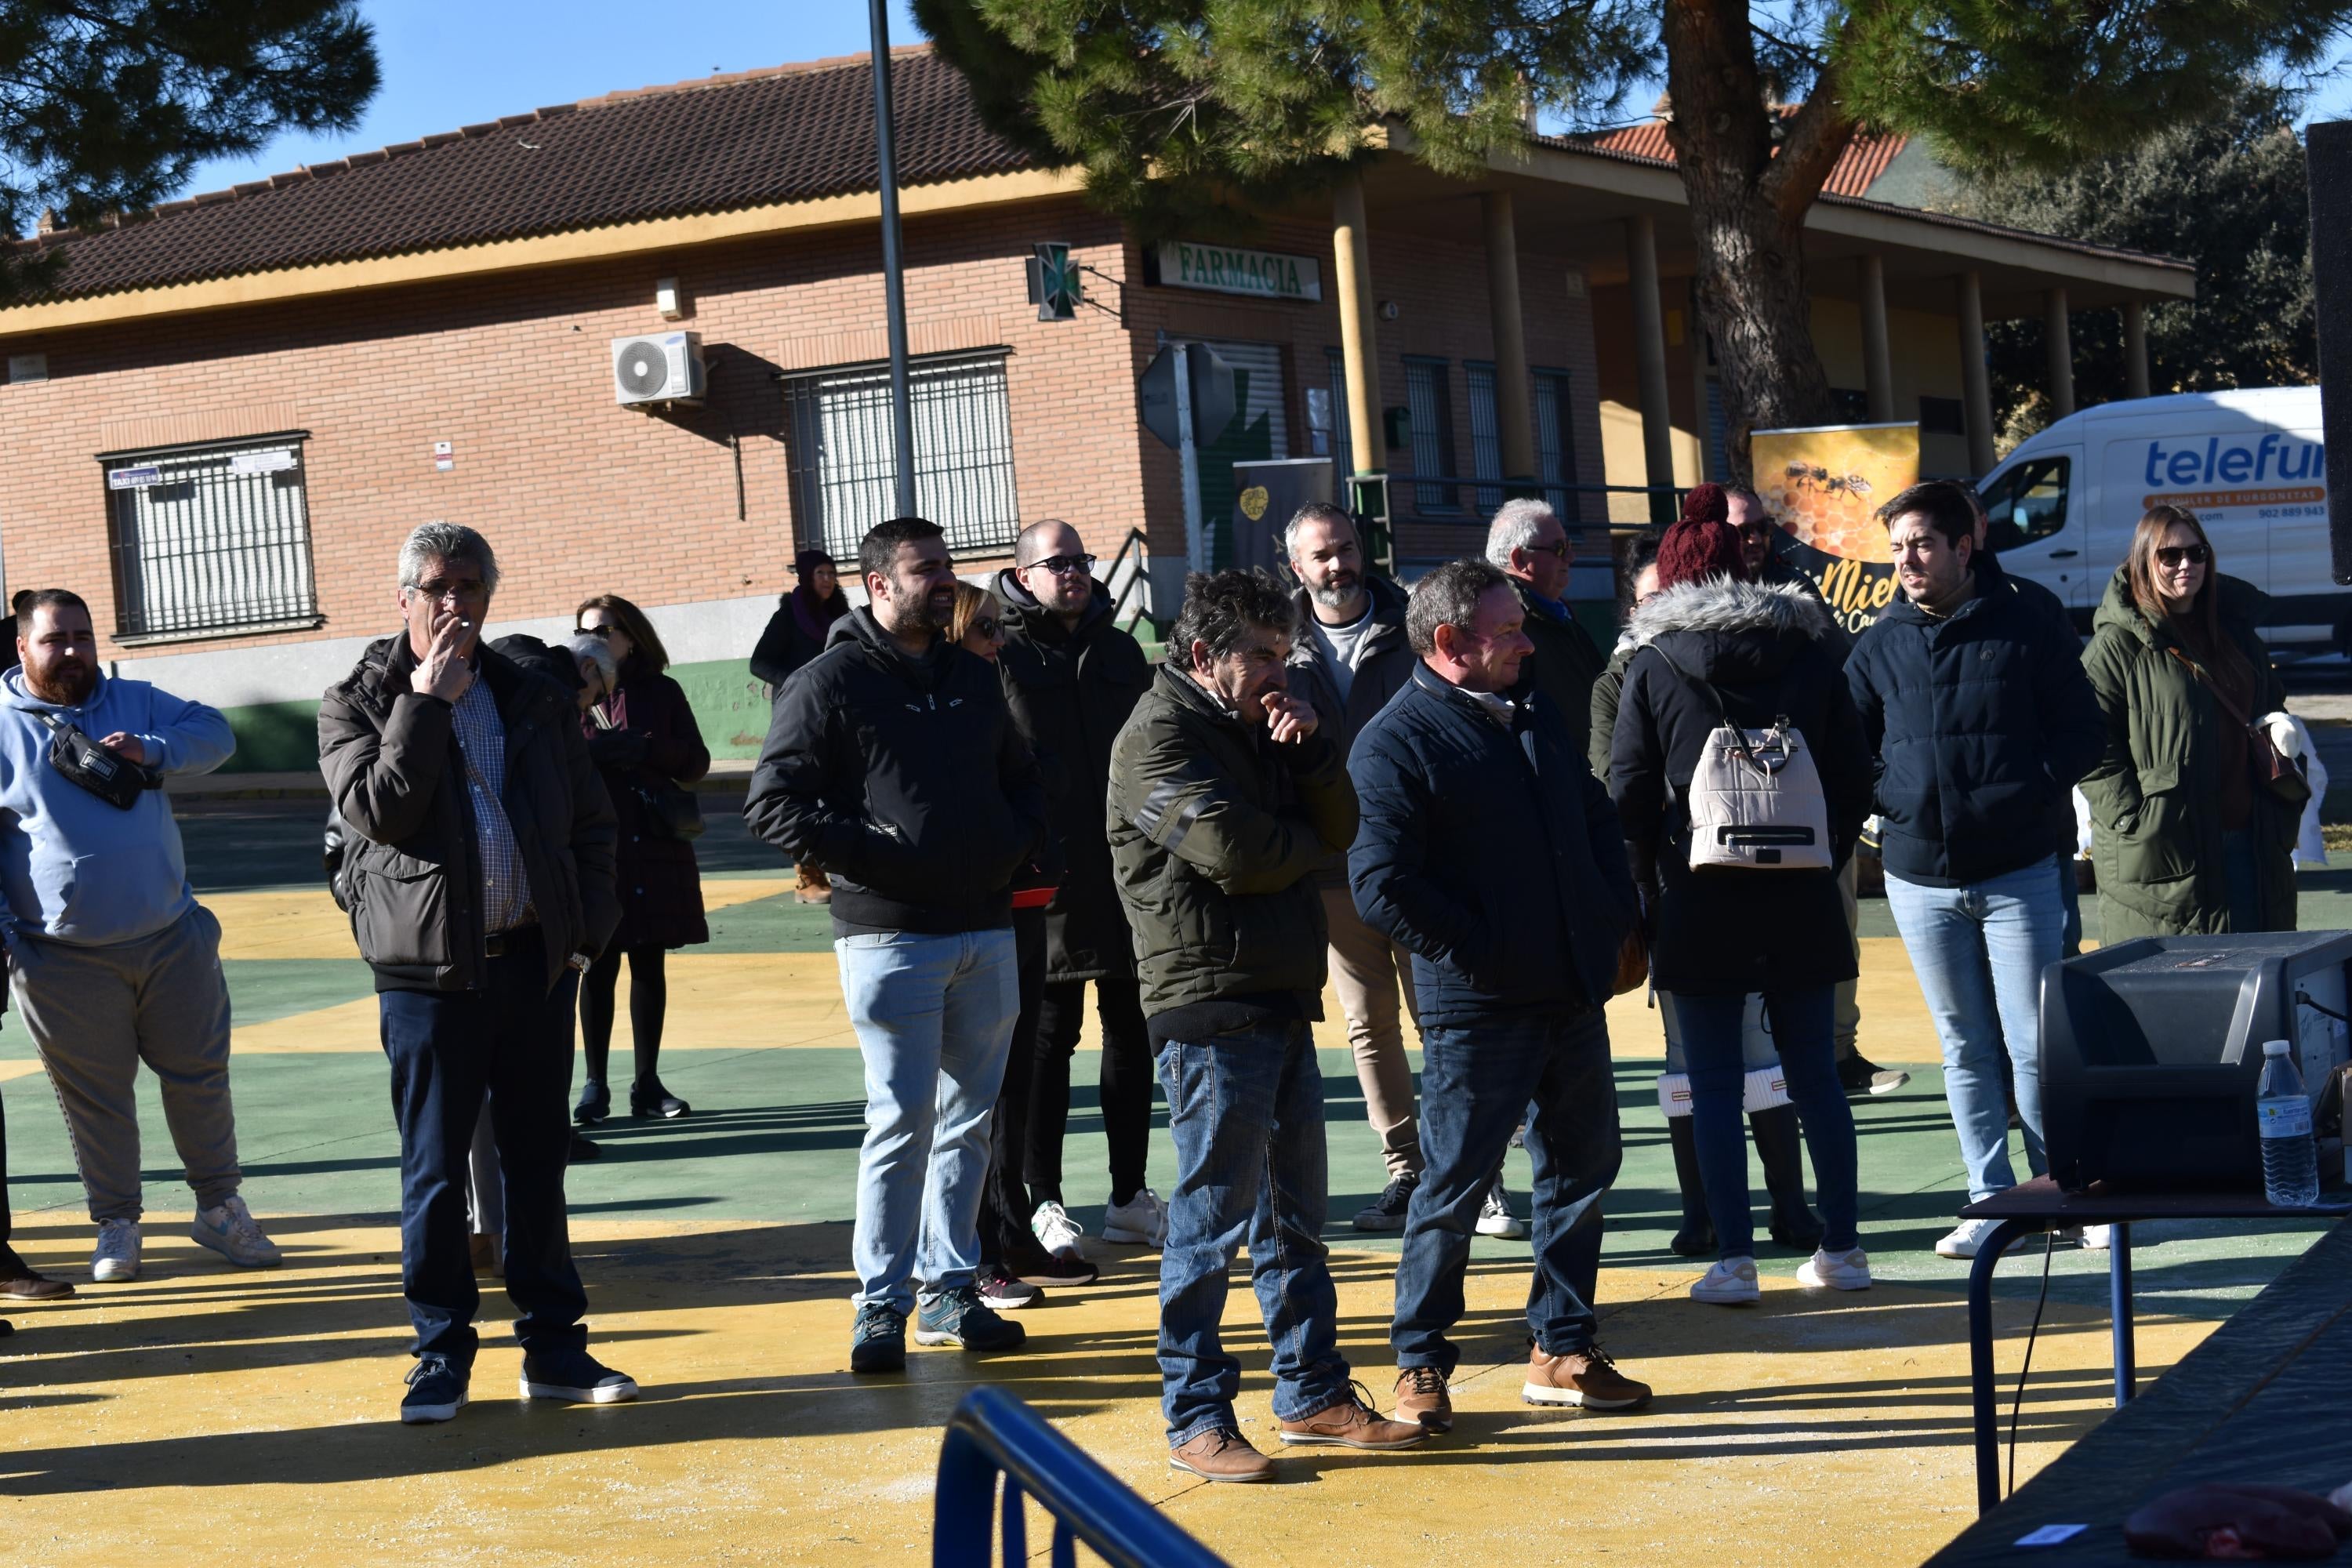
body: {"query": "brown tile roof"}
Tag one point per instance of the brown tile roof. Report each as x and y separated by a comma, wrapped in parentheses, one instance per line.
(723, 142)
(1864, 159)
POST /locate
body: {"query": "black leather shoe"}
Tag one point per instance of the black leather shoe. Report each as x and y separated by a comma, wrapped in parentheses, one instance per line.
(583, 1151)
(595, 1104)
(20, 1281)
(649, 1100)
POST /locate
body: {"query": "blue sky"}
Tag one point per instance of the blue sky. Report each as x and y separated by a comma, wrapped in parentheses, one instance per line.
(448, 63)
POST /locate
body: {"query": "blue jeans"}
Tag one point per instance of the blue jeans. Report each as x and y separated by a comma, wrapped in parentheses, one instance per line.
(934, 1020)
(1475, 1084)
(1245, 1111)
(1757, 1050)
(1804, 1027)
(1979, 952)
(510, 1042)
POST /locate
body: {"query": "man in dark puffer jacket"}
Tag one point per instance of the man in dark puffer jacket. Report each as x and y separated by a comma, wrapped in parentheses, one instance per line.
(1224, 797)
(892, 763)
(1980, 721)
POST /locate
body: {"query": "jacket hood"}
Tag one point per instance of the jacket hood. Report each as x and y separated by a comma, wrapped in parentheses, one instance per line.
(1037, 621)
(2242, 603)
(1721, 605)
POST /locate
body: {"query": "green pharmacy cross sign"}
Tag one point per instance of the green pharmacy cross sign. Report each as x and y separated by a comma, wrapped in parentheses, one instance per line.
(1057, 282)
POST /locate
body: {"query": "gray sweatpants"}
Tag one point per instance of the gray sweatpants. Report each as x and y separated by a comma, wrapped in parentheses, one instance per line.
(96, 1013)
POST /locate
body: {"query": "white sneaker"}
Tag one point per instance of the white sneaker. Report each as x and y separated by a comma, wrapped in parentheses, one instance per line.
(1730, 1283)
(229, 1229)
(1494, 1215)
(1057, 1232)
(1835, 1270)
(2098, 1238)
(116, 1257)
(1966, 1237)
(1141, 1221)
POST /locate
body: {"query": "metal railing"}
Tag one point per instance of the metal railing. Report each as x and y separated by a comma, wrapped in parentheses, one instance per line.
(1630, 508)
(1130, 583)
(994, 1434)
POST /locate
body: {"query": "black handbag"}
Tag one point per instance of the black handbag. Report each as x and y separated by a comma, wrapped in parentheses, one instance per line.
(671, 811)
(110, 776)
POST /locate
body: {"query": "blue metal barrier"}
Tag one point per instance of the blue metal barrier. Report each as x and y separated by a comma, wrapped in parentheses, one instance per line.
(992, 1433)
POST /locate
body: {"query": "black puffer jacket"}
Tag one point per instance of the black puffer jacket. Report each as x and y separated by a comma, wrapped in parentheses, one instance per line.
(1491, 854)
(1071, 689)
(1981, 725)
(904, 779)
(1767, 651)
(1565, 663)
(1384, 663)
(411, 868)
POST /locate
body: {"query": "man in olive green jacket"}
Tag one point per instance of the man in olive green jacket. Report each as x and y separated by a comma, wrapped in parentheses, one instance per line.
(2157, 836)
(1224, 797)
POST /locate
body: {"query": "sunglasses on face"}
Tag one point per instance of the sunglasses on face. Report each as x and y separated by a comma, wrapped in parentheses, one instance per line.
(989, 626)
(606, 632)
(2174, 555)
(1755, 531)
(1559, 547)
(1062, 566)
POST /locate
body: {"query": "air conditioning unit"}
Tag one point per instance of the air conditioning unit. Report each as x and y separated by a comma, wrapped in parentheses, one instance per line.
(664, 368)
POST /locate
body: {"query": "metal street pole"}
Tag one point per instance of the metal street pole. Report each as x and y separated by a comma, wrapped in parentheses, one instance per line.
(1196, 531)
(902, 409)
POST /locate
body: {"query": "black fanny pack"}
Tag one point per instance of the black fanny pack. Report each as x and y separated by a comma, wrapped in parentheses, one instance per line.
(113, 778)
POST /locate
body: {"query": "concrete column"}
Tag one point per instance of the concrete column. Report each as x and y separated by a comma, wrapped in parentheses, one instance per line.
(1975, 381)
(2134, 348)
(2060, 339)
(1515, 419)
(1650, 360)
(1359, 350)
(1877, 360)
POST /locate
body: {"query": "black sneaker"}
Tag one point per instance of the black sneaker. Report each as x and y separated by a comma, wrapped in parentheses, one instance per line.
(1387, 1211)
(595, 1103)
(1001, 1292)
(437, 1392)
(583, 1151)
(955, 1317)
(878, 1340)
(1858, 1075)
(649, 1101)
(572, 1374)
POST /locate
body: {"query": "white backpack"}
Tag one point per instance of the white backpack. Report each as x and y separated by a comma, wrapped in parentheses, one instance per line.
(1755, 798)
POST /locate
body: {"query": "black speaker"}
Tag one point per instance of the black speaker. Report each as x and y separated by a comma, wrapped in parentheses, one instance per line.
(2328, 155)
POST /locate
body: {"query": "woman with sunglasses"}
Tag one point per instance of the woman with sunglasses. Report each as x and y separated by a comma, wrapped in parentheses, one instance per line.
(2186, 832)
(643, 740)
(1013, 1262)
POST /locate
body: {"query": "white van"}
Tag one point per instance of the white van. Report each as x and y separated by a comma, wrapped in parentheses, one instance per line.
(2249, 464)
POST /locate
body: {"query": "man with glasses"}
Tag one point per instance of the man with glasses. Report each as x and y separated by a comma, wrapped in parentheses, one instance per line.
(893, 763)
(1073, 677)
(1528, 545)
(481, 872)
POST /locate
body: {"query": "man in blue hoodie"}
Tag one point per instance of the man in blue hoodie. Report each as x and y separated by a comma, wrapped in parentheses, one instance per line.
(112, 962)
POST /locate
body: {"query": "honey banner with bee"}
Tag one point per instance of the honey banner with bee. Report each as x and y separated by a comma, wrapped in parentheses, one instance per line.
(1823, 484)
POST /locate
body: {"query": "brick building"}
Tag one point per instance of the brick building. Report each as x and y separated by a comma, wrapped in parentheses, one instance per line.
(229, 413)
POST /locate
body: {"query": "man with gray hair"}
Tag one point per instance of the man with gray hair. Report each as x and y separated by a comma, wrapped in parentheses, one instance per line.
(1528, 545)
(480, 874)
(1489, 850)
(1347, 662)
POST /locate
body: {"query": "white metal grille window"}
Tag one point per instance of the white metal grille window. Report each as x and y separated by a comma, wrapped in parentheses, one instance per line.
(1485, 436)
(843, 478)
(1430, 405)
(210, 539)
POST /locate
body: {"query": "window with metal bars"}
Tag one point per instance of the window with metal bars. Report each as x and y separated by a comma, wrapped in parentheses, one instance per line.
(1556, 442)
(1428, 401)
(843, 478)
(1343, 461)
(210, 539)
(1485, 436)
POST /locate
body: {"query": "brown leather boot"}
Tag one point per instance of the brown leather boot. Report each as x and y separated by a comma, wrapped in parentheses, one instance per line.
(1221, 1454)
(20, 1281)
(1585, 1377)
(1353, 1423)
(1421, 1397)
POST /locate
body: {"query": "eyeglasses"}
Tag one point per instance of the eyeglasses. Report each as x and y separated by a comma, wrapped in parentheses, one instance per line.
(604, 631)
(1755, 531)
(1062, 566)
(2174, 555)
(471, 589)
(989, 626)
(1558, 547)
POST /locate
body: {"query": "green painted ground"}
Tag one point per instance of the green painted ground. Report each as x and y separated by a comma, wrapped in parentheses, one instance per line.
(775, 1133)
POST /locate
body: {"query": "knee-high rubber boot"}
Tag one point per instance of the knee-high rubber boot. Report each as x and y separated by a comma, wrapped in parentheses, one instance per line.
(1780, 1146)
(1697, 1236)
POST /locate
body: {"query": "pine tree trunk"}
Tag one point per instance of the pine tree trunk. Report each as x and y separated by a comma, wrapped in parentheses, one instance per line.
(1747, 216)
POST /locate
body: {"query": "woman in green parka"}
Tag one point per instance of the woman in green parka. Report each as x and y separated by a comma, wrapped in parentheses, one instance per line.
(2186, 833)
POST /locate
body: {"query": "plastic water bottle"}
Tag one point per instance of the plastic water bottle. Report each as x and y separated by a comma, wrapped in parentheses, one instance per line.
(2282, 1117)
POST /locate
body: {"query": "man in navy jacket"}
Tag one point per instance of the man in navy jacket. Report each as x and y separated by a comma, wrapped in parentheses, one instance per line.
(1980, 720)
(1488, 851)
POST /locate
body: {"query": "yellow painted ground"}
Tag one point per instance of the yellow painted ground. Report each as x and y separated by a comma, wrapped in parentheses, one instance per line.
(202, 1416)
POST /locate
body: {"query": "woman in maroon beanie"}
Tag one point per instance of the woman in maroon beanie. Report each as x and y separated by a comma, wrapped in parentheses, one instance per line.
(1715, 646)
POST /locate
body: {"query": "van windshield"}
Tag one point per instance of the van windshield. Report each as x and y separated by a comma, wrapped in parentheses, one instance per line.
(2027, 503)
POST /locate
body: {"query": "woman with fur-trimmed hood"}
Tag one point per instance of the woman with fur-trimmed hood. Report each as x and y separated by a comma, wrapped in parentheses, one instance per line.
(1718, 936)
